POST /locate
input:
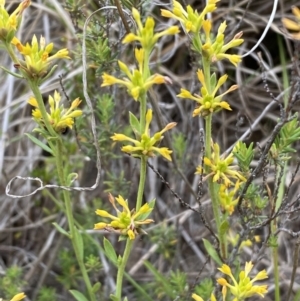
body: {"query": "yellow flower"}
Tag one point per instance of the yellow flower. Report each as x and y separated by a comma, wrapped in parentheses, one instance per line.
(234, 238)
(145, 34)
(18, 297)
(221, 168)
(292, 25)
(244, 288)
(147, 145)
(193, 22)
(126, 222)
(136, 82)
(9, 23)
(59, 117)
(227, 200)
(190, 19)
(37, 57)
(216, 51)
(208, 102)
(198, 298)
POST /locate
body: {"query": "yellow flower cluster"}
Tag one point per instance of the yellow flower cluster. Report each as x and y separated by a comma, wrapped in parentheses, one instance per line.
(190, 19)
(37, 57)
(214, 50)
(244, 288)
(136, 83)
(59, 117)
(220, 168)
(292, 25)
(9, 23)
(208, 103)
(139, 81)
(147, 145)
(126, 222)
(241, 289)
(145, 34)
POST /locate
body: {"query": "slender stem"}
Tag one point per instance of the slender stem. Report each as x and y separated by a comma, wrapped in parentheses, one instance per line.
(143, 107)
(275, 265)
(70, 217)
(143, 170)
(11, 53)
(38, 96)
(213, 187)
(274, 228)
(121, 268)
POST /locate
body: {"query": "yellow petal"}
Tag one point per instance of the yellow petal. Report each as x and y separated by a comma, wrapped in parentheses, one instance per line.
(296, 11)
(131, 234)
(18, 297)
(32, 101)
(100, 226)
(196, 297)
(289, 24)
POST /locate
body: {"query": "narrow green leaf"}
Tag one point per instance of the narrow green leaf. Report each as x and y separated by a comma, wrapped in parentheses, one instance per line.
(39, 143)
(212, 252)
(113, 298)
(78, 295)
(161, 279)
(110, 251)
(224, 227)
(213, 80)
(71, 178)
(61, 230)
(11, 73)
(135, 125)
(79, 242)
(96, 287)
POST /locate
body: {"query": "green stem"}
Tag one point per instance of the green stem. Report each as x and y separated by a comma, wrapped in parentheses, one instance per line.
(57, 146)
(275, 264)
(143, 108)
(276, 273)
(121, 268)
(11, 53)
(213, 187)
(143, 170)
(69, 214)
(129, 243)
(274, 228)
(38, 96)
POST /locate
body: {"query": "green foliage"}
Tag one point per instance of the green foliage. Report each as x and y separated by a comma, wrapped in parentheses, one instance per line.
(289, 134)
(47, 294)
(244, 155)
(172, 286)
(69, 275)
(78, 295)
(205, 288)
(11, 283)
(273, 241)
(116, 184)
(166, 237)
(135, 125)
(93, 263)
(211, 250)
(253, 201)
(179, 145)
(110, 251)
